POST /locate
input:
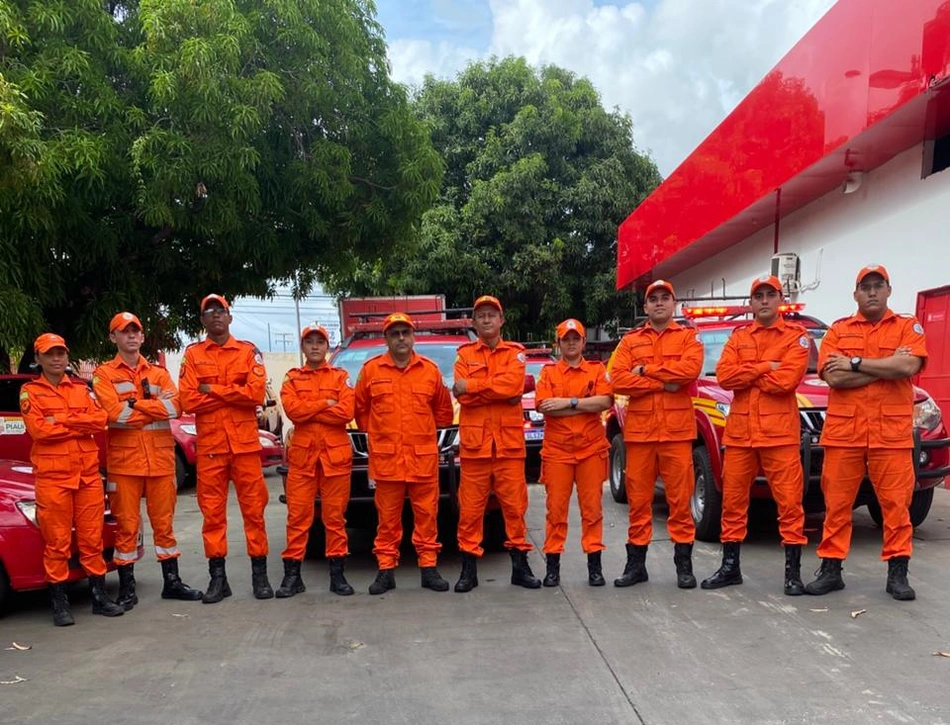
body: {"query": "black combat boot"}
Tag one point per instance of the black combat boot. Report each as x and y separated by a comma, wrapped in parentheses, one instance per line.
(897, 585)
(552, 576)
(259, 583)
(174, 587)
(218, 587)
(793, 571)
(338, 583)
(385, 580)
(683, 559)
(595, 572)
(729, 572)
(468, 579)
(62, 614)
(636, 569)
(291, 583)
(101, 602)
(431, 579)
(829, 578)
(521, 574)
(127, 597)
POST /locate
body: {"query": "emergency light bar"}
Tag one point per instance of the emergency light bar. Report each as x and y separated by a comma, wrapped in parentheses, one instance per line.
(692, 313)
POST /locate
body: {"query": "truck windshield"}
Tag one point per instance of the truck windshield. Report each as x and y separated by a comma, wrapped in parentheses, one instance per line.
(442, 354)
(714, 339)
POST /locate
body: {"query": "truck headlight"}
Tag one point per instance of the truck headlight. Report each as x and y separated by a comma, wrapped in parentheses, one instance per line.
(927, 414)
(28, 509)
(189, 429)
(723, 408)
(535, 417)
(265, 442)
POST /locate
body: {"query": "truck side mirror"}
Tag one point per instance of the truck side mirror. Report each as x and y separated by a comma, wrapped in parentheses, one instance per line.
(529, 384)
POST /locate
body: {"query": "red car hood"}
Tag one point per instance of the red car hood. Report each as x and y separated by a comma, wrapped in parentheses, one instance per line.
(16, 480)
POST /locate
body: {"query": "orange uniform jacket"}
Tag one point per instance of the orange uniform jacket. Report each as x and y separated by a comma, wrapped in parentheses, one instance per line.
(226, 417)
(675, 355)
(140, 440)
(319, 428)
(575, 437)
(764, 410)
(489, 423)
(878, 415)
(65, 448)
(400, 409)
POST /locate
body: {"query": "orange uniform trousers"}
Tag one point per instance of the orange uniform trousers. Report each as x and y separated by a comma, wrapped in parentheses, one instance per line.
(58, 509)
(673, 462)
(125, 500)
(782, 466)
(215, 470)
(481, 476)
(301, 490)
(424, 499)
(559, 479)
(892, 474)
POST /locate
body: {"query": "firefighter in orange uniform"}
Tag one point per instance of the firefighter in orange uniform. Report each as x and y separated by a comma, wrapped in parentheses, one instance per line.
(489, 383)
(656, 365)
(868, 360)
(62, 416)
(319, 401)
(222, 381)
(572, 393)
(763, 363)
(140, 399)
(400, 402)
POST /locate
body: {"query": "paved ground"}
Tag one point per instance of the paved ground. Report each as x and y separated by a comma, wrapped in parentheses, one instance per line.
(575, 654)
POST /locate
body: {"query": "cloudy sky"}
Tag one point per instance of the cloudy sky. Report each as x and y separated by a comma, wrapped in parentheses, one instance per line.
(676, 66)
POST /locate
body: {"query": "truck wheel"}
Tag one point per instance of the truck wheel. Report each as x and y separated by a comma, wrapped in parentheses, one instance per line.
(618, 469)
(919, 507)
(184, 473)
(706, 502)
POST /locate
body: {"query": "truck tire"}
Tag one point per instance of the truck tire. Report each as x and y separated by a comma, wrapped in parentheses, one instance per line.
(706, 502)
(618, 468)
(920, 505)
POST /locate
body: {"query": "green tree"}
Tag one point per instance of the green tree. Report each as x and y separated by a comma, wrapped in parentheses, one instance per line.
(152, 151)
(538, 177)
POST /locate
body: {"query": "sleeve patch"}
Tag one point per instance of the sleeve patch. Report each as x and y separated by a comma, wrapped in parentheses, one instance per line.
(918, 328)
(803, 341)
(521, 357)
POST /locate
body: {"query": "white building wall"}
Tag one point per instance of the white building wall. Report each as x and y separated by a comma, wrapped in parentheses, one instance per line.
(896, 219)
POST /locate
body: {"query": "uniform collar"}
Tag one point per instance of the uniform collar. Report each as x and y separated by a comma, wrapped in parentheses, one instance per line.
(118, 362)
(779, 325)
(230, 342)
(564, 367)
(479, 343)
(888, 314)
(388, 361)
(67, 381)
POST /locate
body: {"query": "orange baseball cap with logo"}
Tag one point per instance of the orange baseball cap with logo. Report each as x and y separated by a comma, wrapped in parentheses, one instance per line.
(218, 299)
(570, 325)
(398, 318)
(658, 285)
(315, 329)
(767, 280)
(123, 320)
(48, 341)
(488, 300)
(873, 269)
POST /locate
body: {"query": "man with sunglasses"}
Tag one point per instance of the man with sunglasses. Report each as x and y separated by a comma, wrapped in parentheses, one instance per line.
(222, 381)
(868, 360)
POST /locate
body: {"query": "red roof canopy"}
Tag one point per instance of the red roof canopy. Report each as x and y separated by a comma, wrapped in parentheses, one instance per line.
(868, 81)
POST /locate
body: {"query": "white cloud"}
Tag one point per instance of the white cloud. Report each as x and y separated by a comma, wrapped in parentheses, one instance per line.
(677, 67)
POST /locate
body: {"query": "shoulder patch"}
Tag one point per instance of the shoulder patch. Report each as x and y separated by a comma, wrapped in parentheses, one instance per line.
(521, 357)
(24, 394)
(803, 341)
(918, 328)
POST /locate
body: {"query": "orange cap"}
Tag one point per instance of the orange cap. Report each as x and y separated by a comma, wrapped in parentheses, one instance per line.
(398, 318)
(315, 327)
(123, 320)
(767, 280)
(570, 325)
(873, 269)
(215, 298)
(658, 285)
(488, 300)
(47, 341)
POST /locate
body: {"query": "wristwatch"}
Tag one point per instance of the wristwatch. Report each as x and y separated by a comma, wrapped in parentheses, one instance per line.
(855, 364)
(573, 403)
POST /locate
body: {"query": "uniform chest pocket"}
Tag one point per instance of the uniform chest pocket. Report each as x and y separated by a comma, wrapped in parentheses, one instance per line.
(206, 372)
(851, 345)
(641, 354)
(382, 396)
(746, 353)
(476, 370)
(422, 397)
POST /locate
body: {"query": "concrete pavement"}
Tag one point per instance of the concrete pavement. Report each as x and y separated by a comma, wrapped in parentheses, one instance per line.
(574, 654)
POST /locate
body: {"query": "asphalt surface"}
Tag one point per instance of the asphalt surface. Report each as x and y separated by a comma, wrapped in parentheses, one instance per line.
(573, 654)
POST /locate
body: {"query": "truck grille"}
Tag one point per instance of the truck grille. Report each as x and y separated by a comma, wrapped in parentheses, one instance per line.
(445, 438)
(813, 419)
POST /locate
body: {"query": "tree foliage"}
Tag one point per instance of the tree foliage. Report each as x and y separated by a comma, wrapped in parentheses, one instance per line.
(538, 177)
(152, 151)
